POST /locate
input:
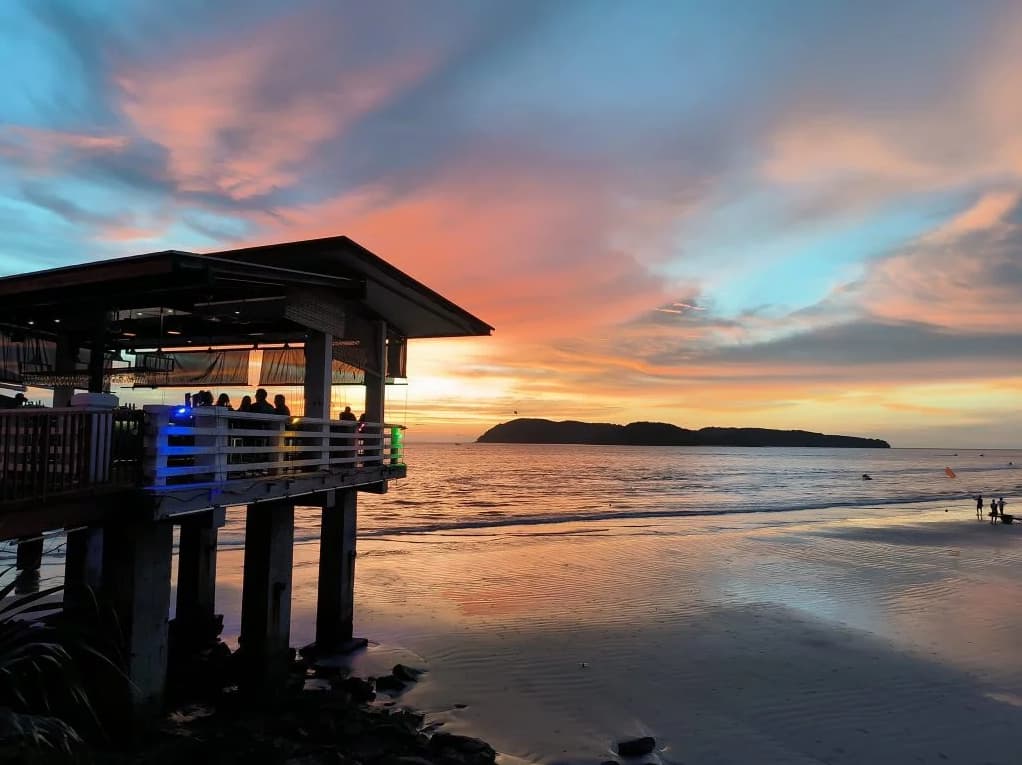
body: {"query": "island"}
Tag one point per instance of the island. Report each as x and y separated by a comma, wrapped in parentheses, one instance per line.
(535, 431)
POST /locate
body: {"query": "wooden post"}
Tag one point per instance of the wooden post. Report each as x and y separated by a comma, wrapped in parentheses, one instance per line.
(136, 579)
(30, 554)
(195, 620)
(97, 360)
(335, 604)
(83, 570)
(266, 594)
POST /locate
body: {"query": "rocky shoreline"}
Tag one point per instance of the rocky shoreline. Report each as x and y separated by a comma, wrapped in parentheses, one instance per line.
(325, 716)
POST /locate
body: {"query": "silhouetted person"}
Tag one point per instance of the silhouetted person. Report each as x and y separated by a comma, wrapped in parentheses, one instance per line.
(347, 414)
(261, 405)
(224, 400)
(979, 506)
(279, 405)
(19, 400)
(188, 400)
(993, 509)
(1000, 506)
(246, 404)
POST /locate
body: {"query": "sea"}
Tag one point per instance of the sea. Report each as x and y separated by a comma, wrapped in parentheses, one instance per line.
(452, 487)
(738, 605)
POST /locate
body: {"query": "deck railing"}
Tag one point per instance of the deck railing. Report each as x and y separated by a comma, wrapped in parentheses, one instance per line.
(52, 451)
(214, 445)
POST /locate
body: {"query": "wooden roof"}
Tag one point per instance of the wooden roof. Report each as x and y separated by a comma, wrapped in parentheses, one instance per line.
(223, 297)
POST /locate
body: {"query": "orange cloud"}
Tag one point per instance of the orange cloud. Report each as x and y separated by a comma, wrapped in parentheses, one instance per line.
(527, 249)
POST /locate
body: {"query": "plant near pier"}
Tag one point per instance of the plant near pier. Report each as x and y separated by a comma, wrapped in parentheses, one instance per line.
(40, 689)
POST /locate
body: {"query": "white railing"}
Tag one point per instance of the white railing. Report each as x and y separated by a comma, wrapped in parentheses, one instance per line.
(215, 444)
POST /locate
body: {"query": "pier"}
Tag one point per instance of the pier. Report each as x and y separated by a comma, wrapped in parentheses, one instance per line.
(118, 479)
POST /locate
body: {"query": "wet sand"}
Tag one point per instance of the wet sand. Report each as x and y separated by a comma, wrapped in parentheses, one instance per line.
(891, 635)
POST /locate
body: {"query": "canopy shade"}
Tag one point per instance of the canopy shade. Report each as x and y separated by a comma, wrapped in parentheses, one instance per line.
(271, 294)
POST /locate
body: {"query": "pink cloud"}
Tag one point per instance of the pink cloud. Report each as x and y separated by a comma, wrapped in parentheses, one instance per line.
(234, 121)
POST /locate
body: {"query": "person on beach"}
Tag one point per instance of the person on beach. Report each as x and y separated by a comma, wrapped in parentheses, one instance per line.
(993, 509)
(1000, 506)
(979, 506)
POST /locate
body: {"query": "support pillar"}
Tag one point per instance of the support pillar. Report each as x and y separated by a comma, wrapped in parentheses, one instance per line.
(83, 570)
(136, 579)
(335, 605)
(65, 360)
(266, 594)
(318, 384)
(30, 554)
(195, 622)
(376, 394)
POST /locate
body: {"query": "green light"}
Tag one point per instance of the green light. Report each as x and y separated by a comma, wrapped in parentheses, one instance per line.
(397, 445)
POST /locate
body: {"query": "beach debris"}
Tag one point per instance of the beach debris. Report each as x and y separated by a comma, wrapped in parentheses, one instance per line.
(866, 477)
(463, 748)
(949, 473)
(636, 747)
(583, 664)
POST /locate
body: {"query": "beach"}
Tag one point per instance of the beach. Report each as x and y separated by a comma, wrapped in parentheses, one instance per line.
(882, 634)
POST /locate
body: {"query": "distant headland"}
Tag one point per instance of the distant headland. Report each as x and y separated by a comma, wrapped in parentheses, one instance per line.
(532, 431)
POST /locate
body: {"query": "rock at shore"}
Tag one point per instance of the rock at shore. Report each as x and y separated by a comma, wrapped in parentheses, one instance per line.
(465, 749)
(636, 747)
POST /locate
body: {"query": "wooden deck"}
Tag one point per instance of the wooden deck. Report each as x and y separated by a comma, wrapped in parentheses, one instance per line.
(74, 466)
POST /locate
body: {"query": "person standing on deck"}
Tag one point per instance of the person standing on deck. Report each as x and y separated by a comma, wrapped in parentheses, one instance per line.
(979, 506)
(279, 405)
(261, 405)
(347, 414)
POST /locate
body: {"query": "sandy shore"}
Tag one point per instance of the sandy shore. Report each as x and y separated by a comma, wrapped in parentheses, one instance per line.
(881, 636)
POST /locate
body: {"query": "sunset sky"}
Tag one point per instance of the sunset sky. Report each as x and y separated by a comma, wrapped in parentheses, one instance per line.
(780, 214)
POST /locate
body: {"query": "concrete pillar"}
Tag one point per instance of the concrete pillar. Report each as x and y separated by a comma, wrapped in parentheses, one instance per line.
(335, 605)
(318, 383)
(266, 594)
(376, 391)
(195, 621)
(30, 554)
(318, 374)
(83, 570)
(377, 376)
(136, 580)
